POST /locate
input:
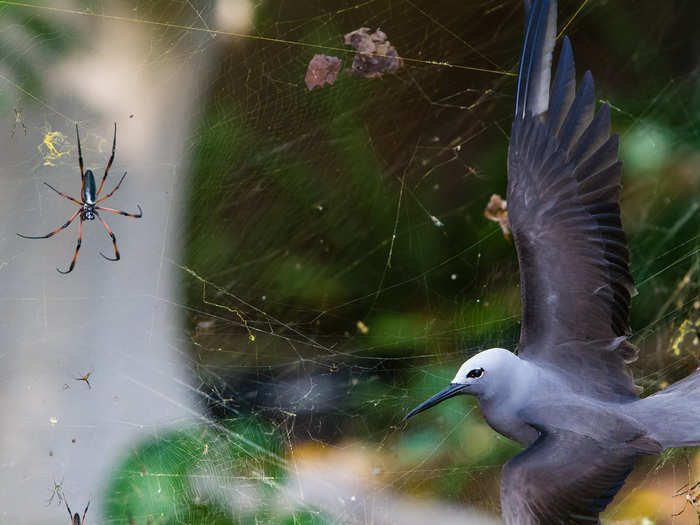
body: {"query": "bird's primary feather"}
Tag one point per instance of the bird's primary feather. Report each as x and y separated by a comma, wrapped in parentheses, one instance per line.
(563, 205)
(536, 61)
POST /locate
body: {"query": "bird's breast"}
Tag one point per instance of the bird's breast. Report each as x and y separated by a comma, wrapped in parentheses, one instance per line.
(506, 422)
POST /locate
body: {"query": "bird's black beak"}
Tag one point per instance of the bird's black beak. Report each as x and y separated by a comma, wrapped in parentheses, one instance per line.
(453, 390)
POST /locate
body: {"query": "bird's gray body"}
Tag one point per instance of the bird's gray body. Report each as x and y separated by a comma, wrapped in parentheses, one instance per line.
(580, 445)
(535, 396)
(567, 395)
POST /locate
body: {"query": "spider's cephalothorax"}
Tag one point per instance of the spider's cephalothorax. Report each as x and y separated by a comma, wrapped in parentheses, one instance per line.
(89, 194)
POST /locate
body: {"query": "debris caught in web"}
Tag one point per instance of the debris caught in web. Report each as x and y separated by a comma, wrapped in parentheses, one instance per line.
(322, 70)
(204, 326)
(497, 211)
(375, 55)
(437, 222)
(362, 327)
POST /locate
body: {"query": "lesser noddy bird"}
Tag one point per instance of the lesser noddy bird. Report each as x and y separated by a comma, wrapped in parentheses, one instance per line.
(567, 395)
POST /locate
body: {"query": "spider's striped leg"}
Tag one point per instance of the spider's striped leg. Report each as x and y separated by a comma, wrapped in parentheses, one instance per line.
(80, 160)
(66, 196)
(82, 521)
(53, 232)
(109, 164)
(114, 240)
(67, 507)
(135, 215)
(77, 249)
(111, 192)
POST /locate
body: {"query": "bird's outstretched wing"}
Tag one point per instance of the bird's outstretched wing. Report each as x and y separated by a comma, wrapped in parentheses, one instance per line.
(563, 194)
(565, 478)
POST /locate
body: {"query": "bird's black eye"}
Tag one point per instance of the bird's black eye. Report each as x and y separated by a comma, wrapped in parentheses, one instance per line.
(476, 373)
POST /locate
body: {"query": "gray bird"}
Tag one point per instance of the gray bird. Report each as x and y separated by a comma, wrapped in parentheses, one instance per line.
(567, 394)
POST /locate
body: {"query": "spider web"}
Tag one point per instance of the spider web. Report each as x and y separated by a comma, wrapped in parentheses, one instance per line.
(310, 264)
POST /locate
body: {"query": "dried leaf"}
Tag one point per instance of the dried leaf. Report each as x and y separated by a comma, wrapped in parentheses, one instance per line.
(497, 211)
(322, 70)
(375, 54)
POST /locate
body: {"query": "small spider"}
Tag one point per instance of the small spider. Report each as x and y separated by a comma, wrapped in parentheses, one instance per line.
(88, 204)
(692, 496)
(691, 491)
(56, 493)
(85, 378)
(18, 120)
(76, 517)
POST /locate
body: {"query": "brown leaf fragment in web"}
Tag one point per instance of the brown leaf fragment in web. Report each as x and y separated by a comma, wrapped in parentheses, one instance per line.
(322, 70)
(375, 55)
(497, 211)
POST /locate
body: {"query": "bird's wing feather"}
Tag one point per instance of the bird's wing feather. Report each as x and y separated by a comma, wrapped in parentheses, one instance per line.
(563, 206)
(563, 478)
(536, 62)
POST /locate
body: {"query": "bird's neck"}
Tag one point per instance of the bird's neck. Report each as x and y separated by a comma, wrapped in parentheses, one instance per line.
(503, 419)
(501, 407)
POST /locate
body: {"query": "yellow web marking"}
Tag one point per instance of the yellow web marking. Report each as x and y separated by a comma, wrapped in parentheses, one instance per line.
(583, 4)
(49, 147)
(235, 311)
(687, 327)
(170, 25)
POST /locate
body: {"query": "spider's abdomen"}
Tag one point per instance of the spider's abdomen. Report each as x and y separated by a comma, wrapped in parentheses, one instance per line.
(89, 188)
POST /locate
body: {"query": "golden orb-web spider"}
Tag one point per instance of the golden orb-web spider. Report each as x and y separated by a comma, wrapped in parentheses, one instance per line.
(76, 517)
(88, 204)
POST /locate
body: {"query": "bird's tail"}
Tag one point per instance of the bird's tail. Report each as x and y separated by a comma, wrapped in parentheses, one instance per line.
(671, 416)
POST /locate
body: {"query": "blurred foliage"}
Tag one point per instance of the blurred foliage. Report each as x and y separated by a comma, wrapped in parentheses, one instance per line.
(204, 475)
(28, 45)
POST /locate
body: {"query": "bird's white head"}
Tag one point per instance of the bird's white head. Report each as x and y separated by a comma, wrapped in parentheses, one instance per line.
(486, 369)
(482, 375)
